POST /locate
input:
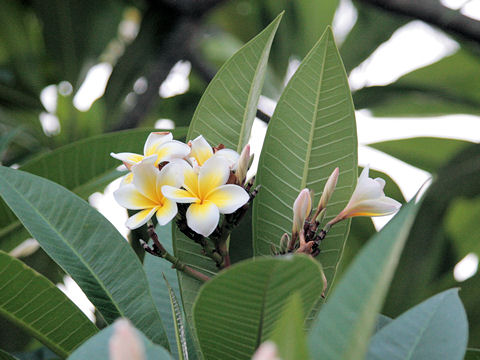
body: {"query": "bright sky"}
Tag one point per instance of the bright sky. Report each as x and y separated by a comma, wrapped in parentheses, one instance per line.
(412, 46)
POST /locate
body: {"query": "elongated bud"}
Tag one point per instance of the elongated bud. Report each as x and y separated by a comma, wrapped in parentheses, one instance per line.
(284, 243)
(301, 209)
(325, 284)
(266, 351)
(243, 165)
(328, 190)
(125, 343)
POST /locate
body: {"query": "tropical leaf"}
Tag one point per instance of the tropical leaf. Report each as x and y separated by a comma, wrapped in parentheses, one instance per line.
(238, 309)
(311, 132)
(343, 327)
(6, 356)
(85, 245)
(224, 115)
(97, 347)
(435, 329)
(82, 167)
(39, 307)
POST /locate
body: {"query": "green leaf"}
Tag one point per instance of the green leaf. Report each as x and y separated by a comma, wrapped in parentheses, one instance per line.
(227, 109)
(288, 334)
(425, 153)
(26, 297)
(6, 139)
(85, 245)
(82, 167)
(345, 323)
(241, 246)
(472, 354)
(6, 356)
(435, 329)
(237, 310)
(311, 133)
(97, 347)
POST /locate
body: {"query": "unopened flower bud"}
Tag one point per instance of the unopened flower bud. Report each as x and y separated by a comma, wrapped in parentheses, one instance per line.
(284, 243)
(266, 351)
(328, 190)
(26, 248)
(325, 284)
(125, 344)
(301, 209)
(242, 165)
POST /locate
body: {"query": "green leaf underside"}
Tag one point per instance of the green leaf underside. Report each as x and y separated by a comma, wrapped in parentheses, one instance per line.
(36, 305)
(6, 356)
(82, 167)
(227, 109)
(179, 325)
(224, 115)
(237, 310)
(312, 131)
(97, 347)
(345, 323)
(288, 334)
(85, 245)
(435, 329)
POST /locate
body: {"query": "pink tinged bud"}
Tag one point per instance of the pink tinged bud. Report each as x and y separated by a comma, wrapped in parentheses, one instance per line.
(125, 344)
(243, 165)
(301, 209)
(368, 199)
(266, 351)
(325, 284)
(328, 190)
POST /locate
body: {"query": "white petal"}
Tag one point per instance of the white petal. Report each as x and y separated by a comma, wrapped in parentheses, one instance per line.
(166, 212)
(154, 140)
(228, 198)
(129, 197)
(171, 174)
(178, 195)
(172, 150)
(377, 207)
(214, 173)
(125, 344)
(145, 177)
(230, 155)
(201, 150)
(128, 159)
(203, 218)
(140, 218)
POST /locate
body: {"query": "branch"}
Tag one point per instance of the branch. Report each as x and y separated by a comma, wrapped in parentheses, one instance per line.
(434, 13)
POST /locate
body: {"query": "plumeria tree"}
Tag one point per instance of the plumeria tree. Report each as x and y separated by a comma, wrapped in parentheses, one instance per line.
(237, 266)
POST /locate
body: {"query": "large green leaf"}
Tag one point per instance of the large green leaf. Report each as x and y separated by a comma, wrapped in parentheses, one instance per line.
(237, 310)
(311, 132)
(227, 109)
(85, 245)
(435, 329)
(97, 347)
(6, 356)
(225, 115)
(423, 152)
(38, 306)
(345, 323)
(82, 167)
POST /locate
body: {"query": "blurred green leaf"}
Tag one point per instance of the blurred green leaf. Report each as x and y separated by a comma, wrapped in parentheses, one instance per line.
(472, 354)
(6, 356)
(87, 246)
(435, 329)
(82, 167)
(426, 153)
(238, 309)
(288, 333)
(97, 347)
(343, 327)
(312, 131)
(65, 328)
(241, 246)
(6, 139)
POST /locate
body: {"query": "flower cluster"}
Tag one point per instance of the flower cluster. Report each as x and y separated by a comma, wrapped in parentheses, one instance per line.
(170, 172)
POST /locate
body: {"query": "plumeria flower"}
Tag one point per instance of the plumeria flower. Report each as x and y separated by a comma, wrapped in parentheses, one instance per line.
(125, 344)
(301, 209)
(160, 144)
(202, 151)
(207, 192)
(368, 199)
(144, 193)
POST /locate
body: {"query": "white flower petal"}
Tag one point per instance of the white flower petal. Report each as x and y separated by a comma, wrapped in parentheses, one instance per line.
(214, 173)
(301, 209)
(145, 177)
(166, 212)
(129, 197)
(125, 344)
(128, 159)
(201, 150)
(228, 198)
(172, 150)
(203, 218)
(178, 195)
(154, 140)
(171, 174)
(140, 218)
(375, 207)
(127, 179)
(230, 155)
(366, 188)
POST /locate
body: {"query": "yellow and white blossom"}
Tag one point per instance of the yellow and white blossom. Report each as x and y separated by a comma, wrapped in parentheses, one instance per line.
(160, 144)
(125, 344)
(368, 199)
(202, 151)
(301, 209)
(144, 193)
(209, 195)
